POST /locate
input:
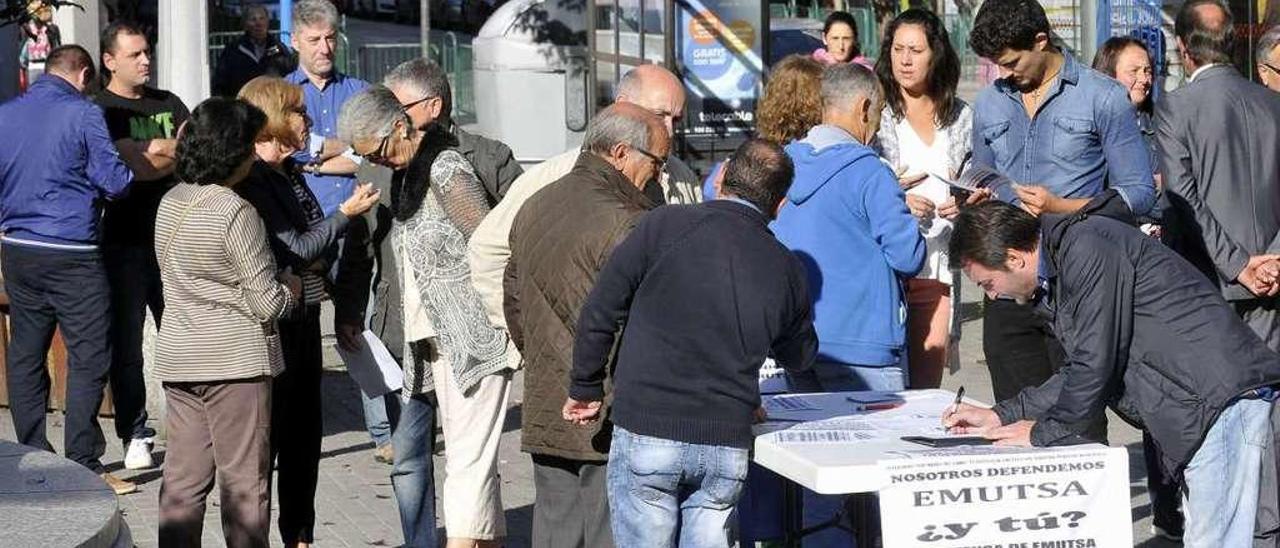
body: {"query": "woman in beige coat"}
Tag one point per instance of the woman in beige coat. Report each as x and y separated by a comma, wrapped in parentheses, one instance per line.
(217, 350)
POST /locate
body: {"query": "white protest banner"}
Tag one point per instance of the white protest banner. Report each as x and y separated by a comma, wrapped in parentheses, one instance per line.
(1062, 498)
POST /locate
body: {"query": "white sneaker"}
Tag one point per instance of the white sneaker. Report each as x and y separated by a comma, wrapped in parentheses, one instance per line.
(138, 455)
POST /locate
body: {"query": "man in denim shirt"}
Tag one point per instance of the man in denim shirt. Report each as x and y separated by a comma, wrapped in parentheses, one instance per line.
(1062, 132)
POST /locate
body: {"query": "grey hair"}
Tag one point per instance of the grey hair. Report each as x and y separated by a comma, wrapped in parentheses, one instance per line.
(611, 127)
(425, 79)
(845, 83)
(369, 114)
(310, 13)
(1268, 42)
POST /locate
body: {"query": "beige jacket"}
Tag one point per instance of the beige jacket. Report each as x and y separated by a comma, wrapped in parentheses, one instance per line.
(221, 296)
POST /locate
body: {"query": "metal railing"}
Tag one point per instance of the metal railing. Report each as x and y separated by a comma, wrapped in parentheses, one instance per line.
(371, 62)
(219, 41)
(374, 61)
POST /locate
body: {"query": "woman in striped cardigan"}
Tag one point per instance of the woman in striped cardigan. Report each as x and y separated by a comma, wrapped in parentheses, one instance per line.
(217, 350)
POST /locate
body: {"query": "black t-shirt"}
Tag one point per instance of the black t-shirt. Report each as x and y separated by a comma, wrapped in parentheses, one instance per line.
(156, 115)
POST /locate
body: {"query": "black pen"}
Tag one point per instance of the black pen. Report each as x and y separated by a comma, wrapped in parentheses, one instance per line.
(959, 396)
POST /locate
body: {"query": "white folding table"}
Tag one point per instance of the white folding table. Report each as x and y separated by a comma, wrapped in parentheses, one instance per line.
(851, 467)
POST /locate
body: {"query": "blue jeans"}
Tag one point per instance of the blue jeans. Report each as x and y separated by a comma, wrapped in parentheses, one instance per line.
(665, 493)
(840, 377)
(380, 416)
(1220, 495)
(413, 474)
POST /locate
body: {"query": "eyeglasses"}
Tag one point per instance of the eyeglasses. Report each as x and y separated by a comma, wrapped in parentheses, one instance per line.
(1271, 66)
(406, 106)
(378, 153)
(658, 163)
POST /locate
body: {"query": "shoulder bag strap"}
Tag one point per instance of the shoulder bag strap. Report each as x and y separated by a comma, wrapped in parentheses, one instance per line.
(164, 255)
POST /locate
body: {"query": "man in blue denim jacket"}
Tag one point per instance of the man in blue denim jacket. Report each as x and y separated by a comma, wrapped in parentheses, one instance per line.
(1063, 133)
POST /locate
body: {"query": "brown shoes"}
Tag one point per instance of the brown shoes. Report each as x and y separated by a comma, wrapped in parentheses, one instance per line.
(385, 454)
(121, 487)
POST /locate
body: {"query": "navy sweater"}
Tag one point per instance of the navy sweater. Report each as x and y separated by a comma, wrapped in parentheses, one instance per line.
(700, 294)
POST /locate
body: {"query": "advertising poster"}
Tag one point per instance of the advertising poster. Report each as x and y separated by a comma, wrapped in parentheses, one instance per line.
(719, 43)
(1077, 498)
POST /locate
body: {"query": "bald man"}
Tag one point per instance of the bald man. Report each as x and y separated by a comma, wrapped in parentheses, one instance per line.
(653, 89)
(559, 242)
(1217, 140)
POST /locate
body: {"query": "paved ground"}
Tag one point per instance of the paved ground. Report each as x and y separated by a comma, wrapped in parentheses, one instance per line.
(355, 505)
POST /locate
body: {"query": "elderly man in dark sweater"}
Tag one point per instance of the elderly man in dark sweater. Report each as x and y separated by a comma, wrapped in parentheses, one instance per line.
(705, 293)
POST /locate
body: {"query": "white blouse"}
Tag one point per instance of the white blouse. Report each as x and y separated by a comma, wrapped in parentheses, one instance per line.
(917, 157)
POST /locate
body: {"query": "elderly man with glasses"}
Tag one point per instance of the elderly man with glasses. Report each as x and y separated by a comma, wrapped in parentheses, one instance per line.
(1268, 58)
(423, 89)
(559, 242)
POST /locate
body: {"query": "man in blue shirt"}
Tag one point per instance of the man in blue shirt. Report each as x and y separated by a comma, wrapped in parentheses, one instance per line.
(57, 166)
(328, 164)
(1063, 133)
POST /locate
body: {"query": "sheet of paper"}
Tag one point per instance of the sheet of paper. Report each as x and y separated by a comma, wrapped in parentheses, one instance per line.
(961, 450)
(789, 402)
(773, 379)
(808, 437)
(974, 178)
(373, 368)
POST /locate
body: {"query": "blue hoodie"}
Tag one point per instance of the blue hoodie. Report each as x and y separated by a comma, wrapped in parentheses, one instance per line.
(847, 220)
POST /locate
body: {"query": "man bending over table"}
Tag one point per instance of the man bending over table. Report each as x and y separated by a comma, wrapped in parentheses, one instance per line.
(1146, 333)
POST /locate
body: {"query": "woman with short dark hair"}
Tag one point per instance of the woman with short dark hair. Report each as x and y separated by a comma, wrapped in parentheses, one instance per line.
(925, 134)
(217, 350)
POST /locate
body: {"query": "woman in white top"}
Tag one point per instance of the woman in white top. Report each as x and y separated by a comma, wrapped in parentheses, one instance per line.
(925, 136)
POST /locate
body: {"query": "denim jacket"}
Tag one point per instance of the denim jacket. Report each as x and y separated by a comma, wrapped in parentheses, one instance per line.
(1084, 138)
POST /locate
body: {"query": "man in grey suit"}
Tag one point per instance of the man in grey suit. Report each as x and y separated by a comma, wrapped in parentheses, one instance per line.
(1217, 138)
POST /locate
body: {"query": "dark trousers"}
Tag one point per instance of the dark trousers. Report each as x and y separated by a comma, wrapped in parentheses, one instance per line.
(1262, 317)
(217, 428)
(1163, 491)
(1019, 347)
(47, 289)
(1022, 352)
(571, 505)
(134, 278)
(296, 426)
